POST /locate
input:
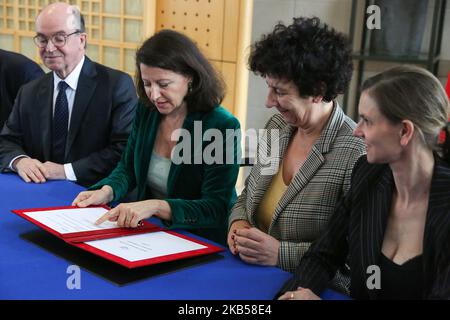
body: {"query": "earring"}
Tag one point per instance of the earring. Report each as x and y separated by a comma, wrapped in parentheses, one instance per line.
(189, 87)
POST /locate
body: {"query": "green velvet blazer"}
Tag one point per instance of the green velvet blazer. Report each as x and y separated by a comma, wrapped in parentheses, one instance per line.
(200, 194)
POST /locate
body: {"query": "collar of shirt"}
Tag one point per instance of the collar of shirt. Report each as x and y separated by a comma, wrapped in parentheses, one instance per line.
(72, 78)
(72, 81)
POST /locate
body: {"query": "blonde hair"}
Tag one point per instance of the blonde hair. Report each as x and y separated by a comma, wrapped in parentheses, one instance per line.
(412, 93)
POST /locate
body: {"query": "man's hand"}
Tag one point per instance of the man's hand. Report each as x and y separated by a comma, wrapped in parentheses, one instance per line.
(30, 170)
(54, 171)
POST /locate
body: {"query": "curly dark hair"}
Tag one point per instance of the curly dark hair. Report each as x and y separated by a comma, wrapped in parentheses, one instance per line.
(171, 50)
(314, 56)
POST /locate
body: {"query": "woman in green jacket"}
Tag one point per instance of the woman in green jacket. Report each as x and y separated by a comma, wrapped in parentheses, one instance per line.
(182, 153)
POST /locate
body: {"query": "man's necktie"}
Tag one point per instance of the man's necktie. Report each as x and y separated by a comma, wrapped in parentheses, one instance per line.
(60, 124)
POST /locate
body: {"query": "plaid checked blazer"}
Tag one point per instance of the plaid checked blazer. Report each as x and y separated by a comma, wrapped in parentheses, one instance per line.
(310, 199)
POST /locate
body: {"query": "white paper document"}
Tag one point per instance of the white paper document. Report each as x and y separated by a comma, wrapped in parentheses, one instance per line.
(145, 246)
(72, 220)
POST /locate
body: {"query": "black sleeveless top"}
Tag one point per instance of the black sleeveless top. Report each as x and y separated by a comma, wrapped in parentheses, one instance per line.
(401, 282)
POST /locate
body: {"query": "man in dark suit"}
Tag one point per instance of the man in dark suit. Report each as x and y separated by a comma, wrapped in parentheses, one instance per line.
(73, 123)
(15, 71)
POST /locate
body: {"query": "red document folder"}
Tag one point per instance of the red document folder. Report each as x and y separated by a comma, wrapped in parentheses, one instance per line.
(81, 239)
(76, 237)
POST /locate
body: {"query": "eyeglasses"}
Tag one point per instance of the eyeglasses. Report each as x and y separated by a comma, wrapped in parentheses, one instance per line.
(59, 40)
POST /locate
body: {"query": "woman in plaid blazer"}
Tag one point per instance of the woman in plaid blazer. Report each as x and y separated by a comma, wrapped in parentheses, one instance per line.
(394, 223)
(305, 161)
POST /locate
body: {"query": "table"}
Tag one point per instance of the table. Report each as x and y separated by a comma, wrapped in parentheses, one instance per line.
(28, 271)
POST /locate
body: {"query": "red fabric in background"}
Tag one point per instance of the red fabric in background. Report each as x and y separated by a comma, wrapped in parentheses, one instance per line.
(447, 89)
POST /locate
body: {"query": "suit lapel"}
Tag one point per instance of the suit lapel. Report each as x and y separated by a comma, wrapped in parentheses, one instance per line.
(307, 171)
(437, 205)
(85, 89)
(188, 125)
(374, 215)
(146, 148)
(269, 160)
(313, 162)
(434, 203)
(44, 104)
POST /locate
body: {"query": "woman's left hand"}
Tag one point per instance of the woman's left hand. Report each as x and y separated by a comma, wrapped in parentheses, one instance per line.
(300, 294)
(257, 247)
(129, 215)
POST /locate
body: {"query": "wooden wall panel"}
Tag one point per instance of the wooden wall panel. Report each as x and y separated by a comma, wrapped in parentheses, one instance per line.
(201, 20)
(116, 28)
(229, 75)
(231, 31)
(215, 26)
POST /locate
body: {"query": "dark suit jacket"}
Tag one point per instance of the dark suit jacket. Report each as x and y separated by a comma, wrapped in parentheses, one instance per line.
(200, 195)
(357, 228)
(101, 121)
(15, 71)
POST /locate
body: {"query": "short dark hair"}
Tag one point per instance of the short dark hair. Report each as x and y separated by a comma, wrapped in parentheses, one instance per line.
(315, 57)
(174, 51)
